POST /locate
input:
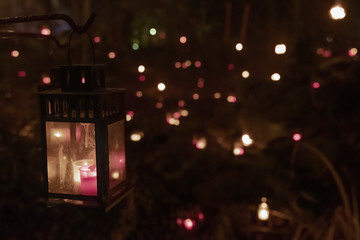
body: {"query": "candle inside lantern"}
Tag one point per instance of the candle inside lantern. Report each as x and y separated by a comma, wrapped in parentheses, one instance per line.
(88, 185)
(76, 172)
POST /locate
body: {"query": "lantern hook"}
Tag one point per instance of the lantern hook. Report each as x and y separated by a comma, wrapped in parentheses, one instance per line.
(69, 47)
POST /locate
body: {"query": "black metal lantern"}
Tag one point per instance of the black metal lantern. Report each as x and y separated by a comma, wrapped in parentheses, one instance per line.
(83, 138)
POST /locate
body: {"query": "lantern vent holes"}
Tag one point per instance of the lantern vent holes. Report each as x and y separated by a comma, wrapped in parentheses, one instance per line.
(56, 108)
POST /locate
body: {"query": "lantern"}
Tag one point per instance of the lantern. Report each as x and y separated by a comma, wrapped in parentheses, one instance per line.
(83, 140)
(263, 210)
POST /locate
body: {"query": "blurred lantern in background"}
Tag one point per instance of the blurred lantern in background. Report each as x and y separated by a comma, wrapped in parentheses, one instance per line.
(337, 12)
(263, 210)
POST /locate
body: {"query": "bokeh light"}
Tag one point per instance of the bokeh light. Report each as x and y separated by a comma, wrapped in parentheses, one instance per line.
(275, 77)
(352, 52)
(246, 140)
(296, 137)
(152, 31)
(231, 99)
(238, 47)
(183, 39)
(142, 78)
(189, 224)
(200, 143)
(263, 211)
(46, 80)
(129, 116)
(200, 83)
(45, 31)
(21, 74)
(15, 53)
(159, 105)
(181, 103)
(112, 55)
(161, 86)
(136, 136)
(135, 46)
(245, 74)
(97, 39)
(280, 48)
(197, 64)
(316, 85)
(196, 96)
(217, 95)
(141, 68)
(337, 12)
(139, 94)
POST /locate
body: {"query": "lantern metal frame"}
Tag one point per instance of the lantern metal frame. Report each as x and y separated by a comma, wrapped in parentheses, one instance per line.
(90, 103)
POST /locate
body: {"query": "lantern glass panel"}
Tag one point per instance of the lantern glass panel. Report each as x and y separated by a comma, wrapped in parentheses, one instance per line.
(116, 143)
(71, 158)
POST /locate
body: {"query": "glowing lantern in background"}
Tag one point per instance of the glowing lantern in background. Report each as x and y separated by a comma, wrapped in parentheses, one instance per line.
(337, 12)
(263, 210)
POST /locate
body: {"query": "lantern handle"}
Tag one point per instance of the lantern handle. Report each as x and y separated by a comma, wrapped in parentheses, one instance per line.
(69, 47)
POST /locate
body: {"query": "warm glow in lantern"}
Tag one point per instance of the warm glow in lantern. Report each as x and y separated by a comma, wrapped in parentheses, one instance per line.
(275, 77)
(263, 210)
(337, 12)
(280, 48)
(83, 138)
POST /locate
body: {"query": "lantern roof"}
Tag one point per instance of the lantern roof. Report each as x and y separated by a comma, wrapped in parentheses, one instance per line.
(79, 78)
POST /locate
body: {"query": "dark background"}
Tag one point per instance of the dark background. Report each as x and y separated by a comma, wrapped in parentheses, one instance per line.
(173, 179)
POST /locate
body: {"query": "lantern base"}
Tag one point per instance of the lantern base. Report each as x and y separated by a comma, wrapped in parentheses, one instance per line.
(89, 203)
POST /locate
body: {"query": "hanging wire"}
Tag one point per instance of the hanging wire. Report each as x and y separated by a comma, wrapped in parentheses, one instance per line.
(75, 29)
(32, 35)
(64, 17)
